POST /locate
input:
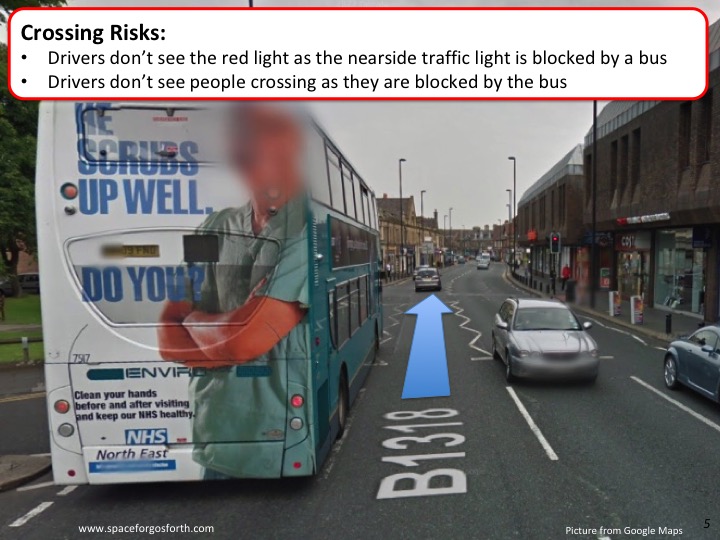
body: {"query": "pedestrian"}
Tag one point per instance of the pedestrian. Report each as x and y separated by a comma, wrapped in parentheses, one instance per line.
(2, 305)
(387, 271)
(565, 275)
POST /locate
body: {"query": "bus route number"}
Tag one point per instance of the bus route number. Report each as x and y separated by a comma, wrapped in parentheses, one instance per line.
(454, 480)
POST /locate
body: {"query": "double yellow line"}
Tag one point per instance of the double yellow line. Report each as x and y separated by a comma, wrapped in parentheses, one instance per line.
(22, 397)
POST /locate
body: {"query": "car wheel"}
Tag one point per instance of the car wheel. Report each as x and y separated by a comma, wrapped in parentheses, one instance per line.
(670, 372)
(509, 377)
(493, 347)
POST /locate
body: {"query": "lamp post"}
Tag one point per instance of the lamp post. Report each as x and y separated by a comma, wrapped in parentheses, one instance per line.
(445, 234)
(422, 227)
(402, 226)
(593, 248)
(511, 259)
(451, 238)
(514, 208)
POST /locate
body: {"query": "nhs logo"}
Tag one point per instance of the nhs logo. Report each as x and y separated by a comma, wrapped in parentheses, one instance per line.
(146, 436)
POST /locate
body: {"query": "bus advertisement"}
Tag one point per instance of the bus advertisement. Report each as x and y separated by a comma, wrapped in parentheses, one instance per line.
(211, 298)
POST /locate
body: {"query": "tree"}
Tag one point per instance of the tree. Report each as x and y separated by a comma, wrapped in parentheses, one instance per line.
(18, 127)
(8, 6)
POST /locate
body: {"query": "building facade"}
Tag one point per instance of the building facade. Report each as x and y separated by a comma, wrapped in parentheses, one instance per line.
(657, 199)
(550, 205)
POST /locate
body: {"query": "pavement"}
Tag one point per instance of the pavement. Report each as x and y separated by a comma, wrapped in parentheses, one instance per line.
(654, 320)
(490, 461)
(16, 470)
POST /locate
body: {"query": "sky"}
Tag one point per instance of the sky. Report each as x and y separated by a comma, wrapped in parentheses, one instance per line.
(456, 151)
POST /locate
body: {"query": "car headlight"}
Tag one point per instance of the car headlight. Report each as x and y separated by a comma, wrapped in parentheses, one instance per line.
(524, 354)
(593, 353)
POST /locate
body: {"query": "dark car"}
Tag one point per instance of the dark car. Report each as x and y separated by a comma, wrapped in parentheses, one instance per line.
(543, 338)
(694, 362)
(6, 286)
(428, 279)
(29, 282)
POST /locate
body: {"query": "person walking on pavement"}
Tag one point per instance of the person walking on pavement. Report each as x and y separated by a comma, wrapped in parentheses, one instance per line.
(565, 275)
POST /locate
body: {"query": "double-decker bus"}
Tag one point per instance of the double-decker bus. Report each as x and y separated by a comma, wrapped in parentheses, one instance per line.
(211, 295)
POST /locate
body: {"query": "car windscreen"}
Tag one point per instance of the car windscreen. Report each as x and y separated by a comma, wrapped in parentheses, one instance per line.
(543, 318)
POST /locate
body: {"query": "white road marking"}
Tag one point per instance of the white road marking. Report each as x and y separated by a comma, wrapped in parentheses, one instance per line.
(533, 427)
(479, 358)
(19, 522)
(679, 405)
(615, 329)
(663, 349)
(477, 333)
(607, 357)
(604, 538)
(47, 454)
(67, 490)
(35, 486)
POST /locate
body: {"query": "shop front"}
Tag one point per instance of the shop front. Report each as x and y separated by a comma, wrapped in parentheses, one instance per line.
(633, 263)
(681, 269)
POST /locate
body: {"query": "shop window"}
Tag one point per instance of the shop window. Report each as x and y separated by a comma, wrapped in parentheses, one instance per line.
(680, 271)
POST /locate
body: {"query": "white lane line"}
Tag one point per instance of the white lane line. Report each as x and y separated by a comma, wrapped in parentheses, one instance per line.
(607, 357)
(35, 486)
(604, 537)
(663, 349)
(67, 490)
(47, 454)
(19, 522)
(615, 329)
(679, 405)
(533, 426)
(479, 358)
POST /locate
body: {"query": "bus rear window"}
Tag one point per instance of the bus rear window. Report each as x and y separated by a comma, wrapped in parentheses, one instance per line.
(150, 135)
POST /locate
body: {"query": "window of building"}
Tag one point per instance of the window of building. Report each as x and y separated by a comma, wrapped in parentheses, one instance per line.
(704, 132)
(336, 185)
(613, 168)
(588, 171)
(552, 208)
(623, 165)
(684, 128)
(635, 161)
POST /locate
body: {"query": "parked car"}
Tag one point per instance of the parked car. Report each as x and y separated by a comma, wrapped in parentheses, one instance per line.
(428, 279)
(6, 287)
(543, 338)
(694, 362)
(418, 268)
(30, 282)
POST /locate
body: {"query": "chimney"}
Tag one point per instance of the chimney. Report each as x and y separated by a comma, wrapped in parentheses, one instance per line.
(384, 195)
(436, 218)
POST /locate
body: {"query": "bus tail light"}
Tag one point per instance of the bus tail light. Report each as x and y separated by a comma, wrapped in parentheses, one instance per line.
(297, 464)
(66, 430)
(296, 423)
(71, 473)
(61, 406)
(297, 401)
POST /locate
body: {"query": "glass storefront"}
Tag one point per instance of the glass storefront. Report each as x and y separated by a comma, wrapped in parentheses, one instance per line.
(633, 273)
(680, 271)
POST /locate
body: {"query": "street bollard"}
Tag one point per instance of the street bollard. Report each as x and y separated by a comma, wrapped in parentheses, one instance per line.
(26, 350)
(668, 324)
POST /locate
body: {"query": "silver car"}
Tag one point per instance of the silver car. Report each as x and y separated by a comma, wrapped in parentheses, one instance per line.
(694, 362)
(543, 338)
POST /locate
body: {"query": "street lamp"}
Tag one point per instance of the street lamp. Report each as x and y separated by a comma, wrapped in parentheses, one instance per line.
(450, 221)
(514, 208)
(422, 227)
(402, 227)
(593, 245)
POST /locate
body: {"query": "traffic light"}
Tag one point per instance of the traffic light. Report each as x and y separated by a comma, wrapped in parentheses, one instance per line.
(554, 242)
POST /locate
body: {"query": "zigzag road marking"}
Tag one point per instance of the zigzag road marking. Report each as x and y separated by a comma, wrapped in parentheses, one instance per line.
(459, 312)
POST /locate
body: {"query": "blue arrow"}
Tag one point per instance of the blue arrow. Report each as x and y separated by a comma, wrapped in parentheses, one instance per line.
(427, 371)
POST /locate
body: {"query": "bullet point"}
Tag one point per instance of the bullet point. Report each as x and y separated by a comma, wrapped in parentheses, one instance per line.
(24, 56)
(24, 81)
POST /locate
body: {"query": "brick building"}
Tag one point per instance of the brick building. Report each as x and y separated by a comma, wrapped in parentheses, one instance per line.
(551, 205)
(658, 202)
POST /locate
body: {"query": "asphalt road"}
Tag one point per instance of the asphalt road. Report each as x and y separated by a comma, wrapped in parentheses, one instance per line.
(616, 454)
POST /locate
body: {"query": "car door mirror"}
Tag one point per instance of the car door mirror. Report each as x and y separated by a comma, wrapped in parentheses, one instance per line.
(502, 325)
(707, 349)
(587, 325)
